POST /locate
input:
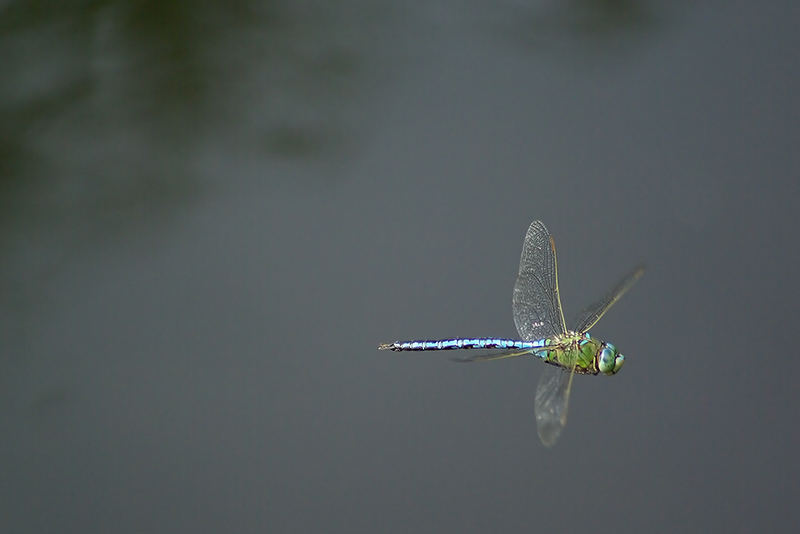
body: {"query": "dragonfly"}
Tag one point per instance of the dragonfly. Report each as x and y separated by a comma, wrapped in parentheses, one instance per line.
(543, 332)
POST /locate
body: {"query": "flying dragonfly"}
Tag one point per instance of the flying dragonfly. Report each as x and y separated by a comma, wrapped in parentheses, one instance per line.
(539, 318)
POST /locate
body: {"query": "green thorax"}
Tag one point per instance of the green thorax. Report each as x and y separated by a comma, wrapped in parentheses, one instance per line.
(587, 355)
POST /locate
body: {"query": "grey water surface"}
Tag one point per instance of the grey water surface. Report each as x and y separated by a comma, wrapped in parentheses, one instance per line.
(211, 215)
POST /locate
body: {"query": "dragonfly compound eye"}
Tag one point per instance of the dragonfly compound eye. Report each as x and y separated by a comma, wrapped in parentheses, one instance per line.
(610, 361)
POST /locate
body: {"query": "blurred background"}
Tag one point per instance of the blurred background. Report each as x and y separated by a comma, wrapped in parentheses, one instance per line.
(211, 214)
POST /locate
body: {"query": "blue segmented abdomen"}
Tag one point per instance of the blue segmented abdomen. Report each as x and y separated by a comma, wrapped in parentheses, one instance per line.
(464, 343)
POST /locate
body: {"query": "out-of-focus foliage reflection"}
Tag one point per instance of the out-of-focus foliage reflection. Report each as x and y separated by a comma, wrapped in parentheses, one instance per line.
(112, 113)
(142, 83)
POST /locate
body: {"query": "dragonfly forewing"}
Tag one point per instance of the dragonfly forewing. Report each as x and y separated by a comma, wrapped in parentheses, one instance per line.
(536, 303)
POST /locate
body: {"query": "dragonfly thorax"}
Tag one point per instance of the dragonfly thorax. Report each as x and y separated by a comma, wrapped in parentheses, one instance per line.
(583, 353)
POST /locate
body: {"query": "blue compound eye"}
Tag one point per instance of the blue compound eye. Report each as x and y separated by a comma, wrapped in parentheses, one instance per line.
(606, 363)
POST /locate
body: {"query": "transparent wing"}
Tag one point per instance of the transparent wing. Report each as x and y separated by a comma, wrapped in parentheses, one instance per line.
(490, 356)
(552, 402)
(536, 303)
(589, 316)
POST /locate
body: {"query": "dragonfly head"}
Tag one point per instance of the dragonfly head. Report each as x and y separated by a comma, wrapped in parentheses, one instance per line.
(609, 360)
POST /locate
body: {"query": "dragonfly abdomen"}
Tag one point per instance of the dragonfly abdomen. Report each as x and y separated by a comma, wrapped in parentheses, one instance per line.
(463, 343)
